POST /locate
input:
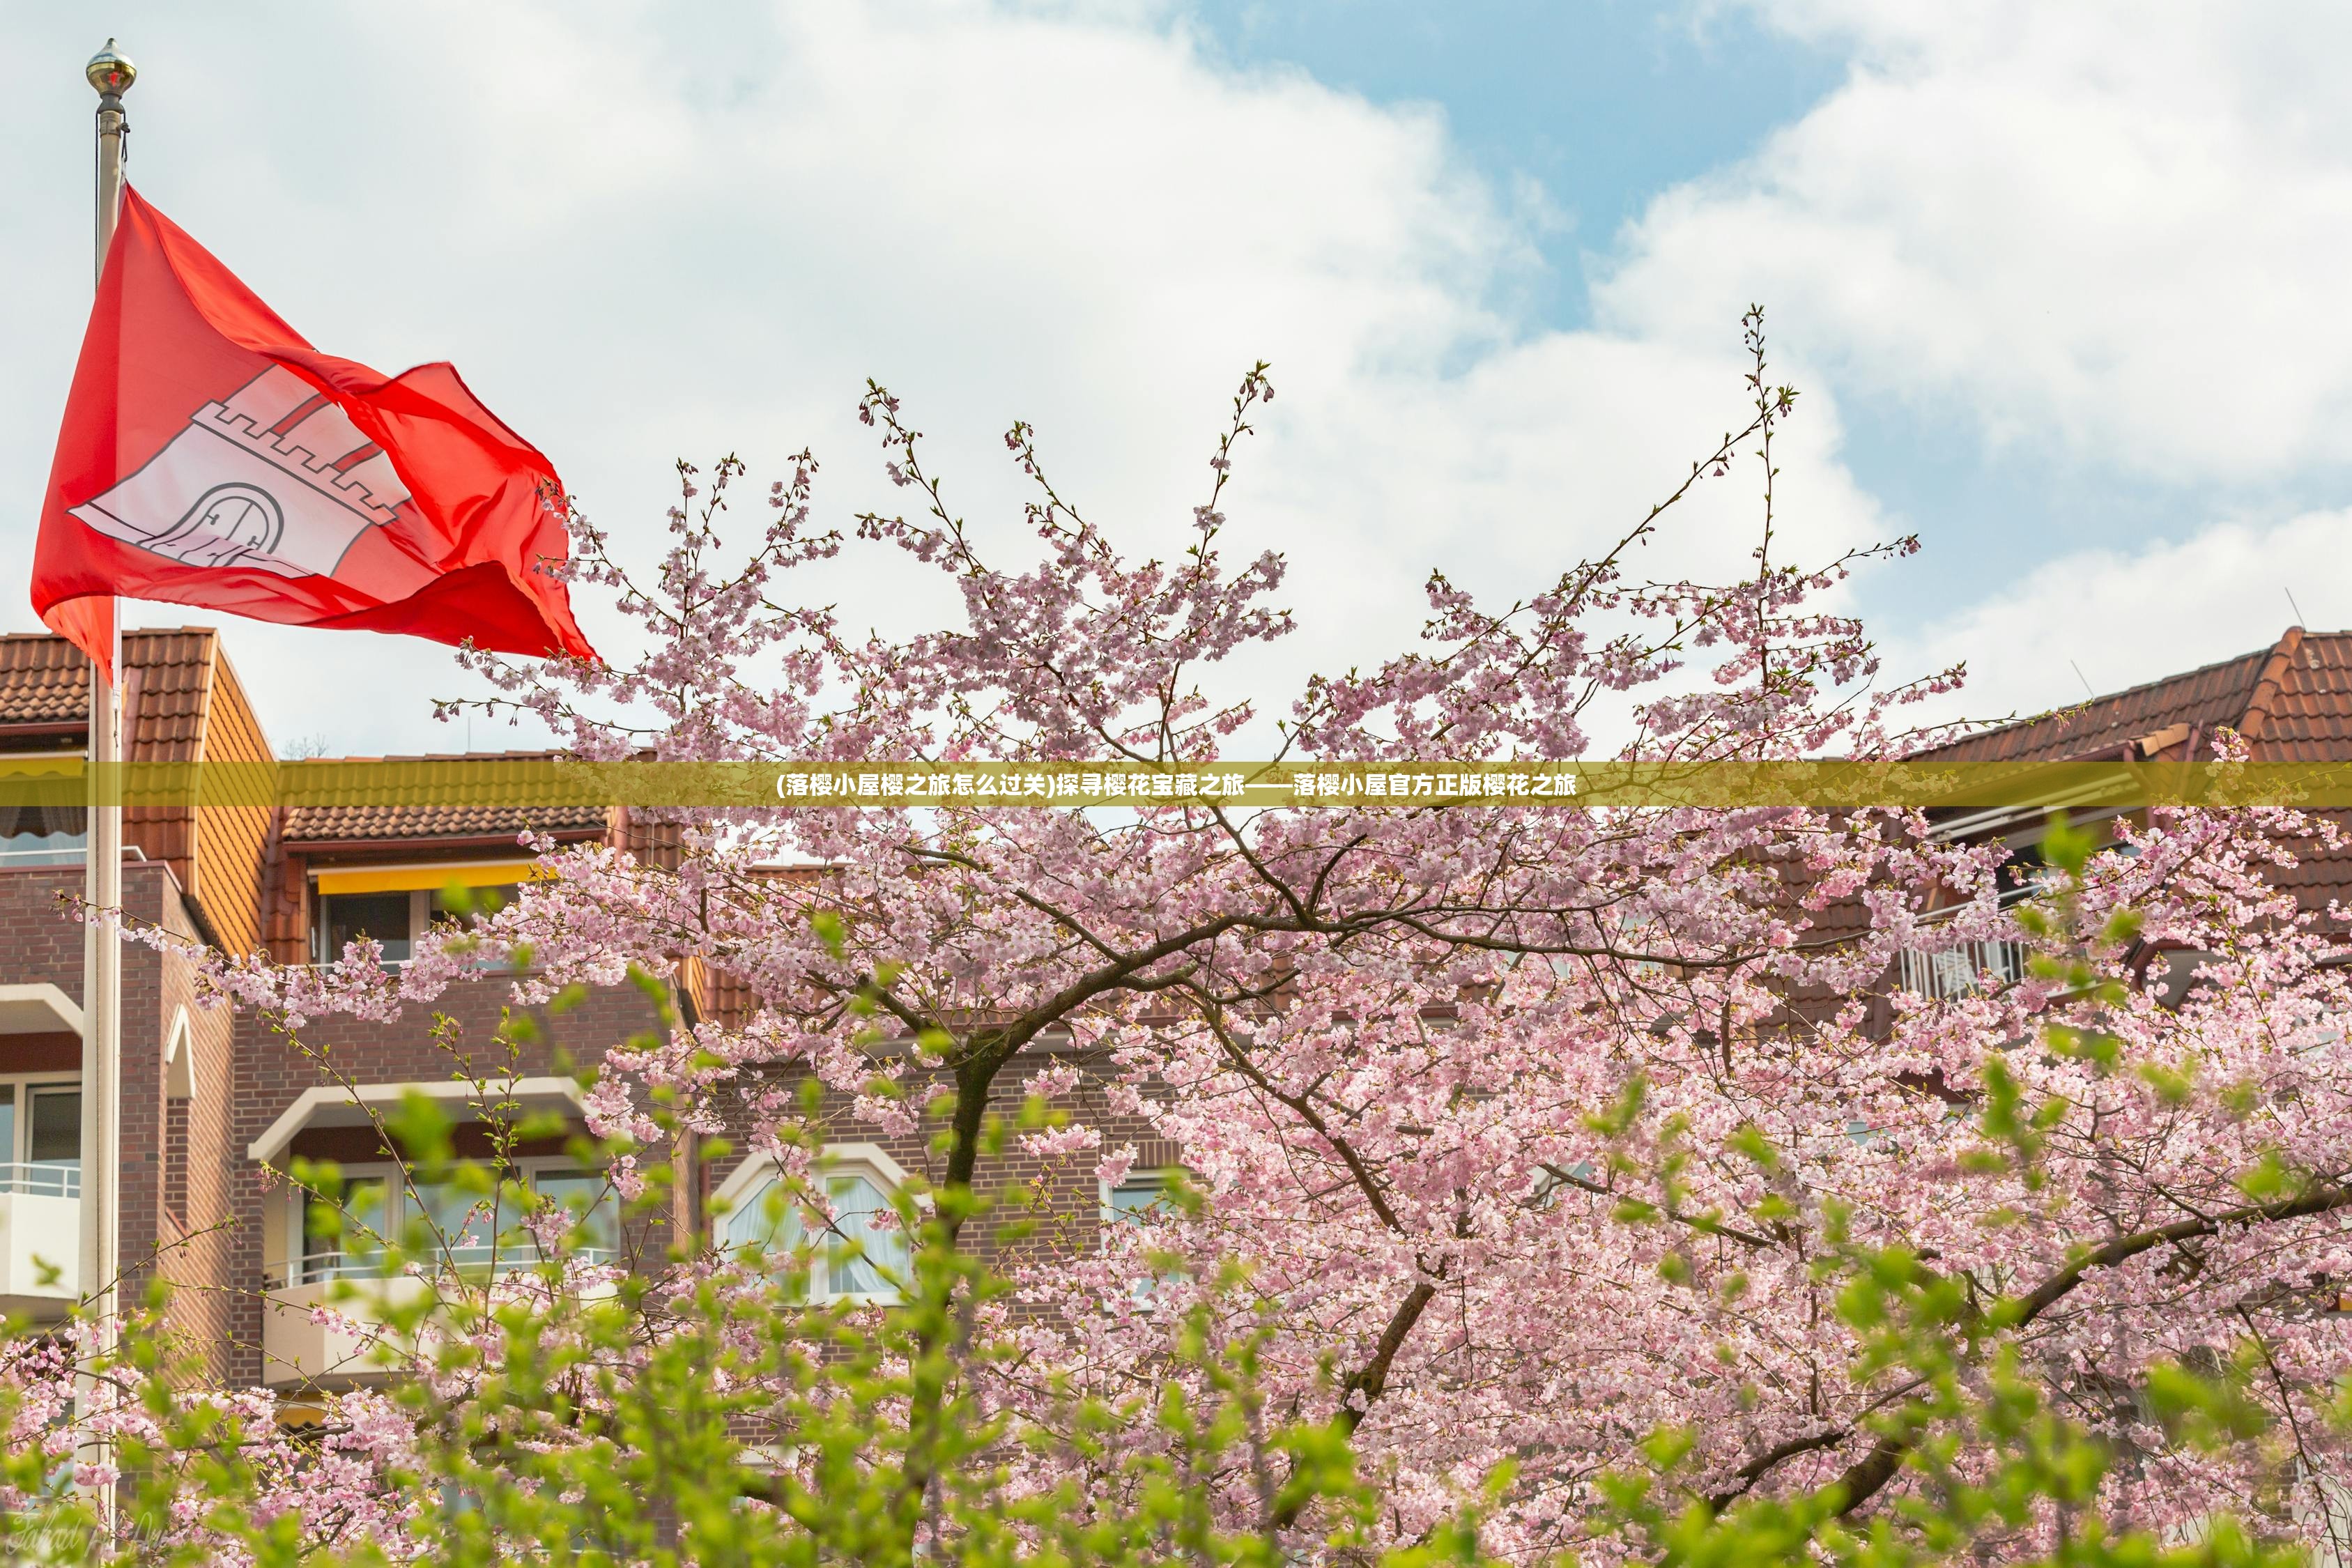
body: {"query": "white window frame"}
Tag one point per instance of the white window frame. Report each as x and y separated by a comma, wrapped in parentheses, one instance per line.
(1159, 1176)
(15, 1168)
(400, 1199)
(180, 1058)
(744, 1184)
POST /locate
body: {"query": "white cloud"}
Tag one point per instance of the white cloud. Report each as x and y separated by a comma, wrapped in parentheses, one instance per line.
(2127, 618)
(639, 248)
(2117, 227)
(2111, 232)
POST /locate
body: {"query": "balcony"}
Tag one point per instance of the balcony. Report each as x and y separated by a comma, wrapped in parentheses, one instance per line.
(361, 1300)
(41, 1239)
(344, 1351)
(1945, 973)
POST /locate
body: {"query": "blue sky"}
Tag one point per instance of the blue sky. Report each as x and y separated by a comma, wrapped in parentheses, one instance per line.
(2061, 284)
(1601, 104)
(1605, 104)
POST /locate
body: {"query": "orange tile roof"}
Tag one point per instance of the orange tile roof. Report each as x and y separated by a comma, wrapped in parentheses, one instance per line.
(181, 702)
(2292, 701)
(167, 678)
(2305, 714)
(167, 683)
(43, 680)
(328, 824)
(432, 812)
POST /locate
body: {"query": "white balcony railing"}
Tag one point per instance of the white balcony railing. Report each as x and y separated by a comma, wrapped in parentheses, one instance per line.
(11, 860)
(1961, 968)
(41, 1180)
(319, 1267)
(328, 1316)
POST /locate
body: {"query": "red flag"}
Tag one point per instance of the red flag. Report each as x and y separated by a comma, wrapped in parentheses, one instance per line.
(211, 457)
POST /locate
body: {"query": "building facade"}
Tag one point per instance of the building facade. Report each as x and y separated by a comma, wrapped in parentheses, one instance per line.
(217, 1104)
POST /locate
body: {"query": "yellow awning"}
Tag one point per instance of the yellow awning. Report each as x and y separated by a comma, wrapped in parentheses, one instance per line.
(407, 879)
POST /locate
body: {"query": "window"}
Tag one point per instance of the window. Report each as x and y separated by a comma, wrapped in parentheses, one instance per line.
(588, 1197)
(861, 1250)
(53, 1134)
(2172, 973)
(479, 901)
(179, 1095)
(396, 916)
(1552, 1184)
(462, 1223)
(2024, 876)
(40, 1138)
(347, 1240)
(345, 918)
(1142, 1197)
(43, 835)
(473, 905)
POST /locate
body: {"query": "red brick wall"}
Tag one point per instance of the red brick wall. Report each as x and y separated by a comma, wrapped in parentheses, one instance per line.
(39, 942)
(195, 1211)
(274, 1069)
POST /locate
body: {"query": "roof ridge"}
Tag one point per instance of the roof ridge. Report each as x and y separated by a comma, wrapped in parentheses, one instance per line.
(205, 696)
(2069, 709)
(548, 754)
(127, 631)
(2267, 685)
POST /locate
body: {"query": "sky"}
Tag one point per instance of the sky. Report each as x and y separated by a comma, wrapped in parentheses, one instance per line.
(2060, 286)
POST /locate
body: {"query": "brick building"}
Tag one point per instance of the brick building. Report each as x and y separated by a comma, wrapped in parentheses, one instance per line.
(212, 1102)
(216, 1104)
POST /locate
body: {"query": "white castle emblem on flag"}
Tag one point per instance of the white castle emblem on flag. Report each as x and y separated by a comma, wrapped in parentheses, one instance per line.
(234, 490)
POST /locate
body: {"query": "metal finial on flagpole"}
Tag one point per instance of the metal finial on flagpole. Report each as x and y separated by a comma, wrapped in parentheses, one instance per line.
(101, 1046)
(110, 74)
(110, 71)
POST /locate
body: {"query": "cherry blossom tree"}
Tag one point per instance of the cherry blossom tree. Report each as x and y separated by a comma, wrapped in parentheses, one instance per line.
(1569, 1171)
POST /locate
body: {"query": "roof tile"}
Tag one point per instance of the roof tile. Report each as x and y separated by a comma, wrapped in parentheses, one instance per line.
(437, 807)
(43, 680)
(167, 684)
(2292, 700)
(328, 824)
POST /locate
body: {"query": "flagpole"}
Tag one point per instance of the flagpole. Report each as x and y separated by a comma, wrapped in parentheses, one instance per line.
(101, 1046)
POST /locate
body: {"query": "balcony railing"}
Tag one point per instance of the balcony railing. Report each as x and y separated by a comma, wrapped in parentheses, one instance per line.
(57, 850)
(319, 1268)
(41, 1180)
(1960, 969)
(364, 1336)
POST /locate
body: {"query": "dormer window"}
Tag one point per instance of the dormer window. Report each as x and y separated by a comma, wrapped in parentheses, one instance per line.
(347, 918)
(396, 905)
